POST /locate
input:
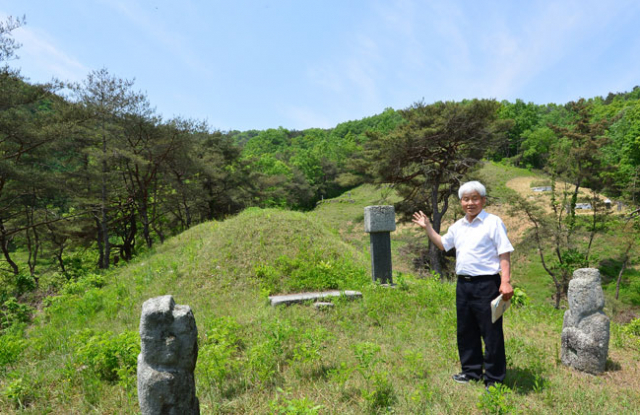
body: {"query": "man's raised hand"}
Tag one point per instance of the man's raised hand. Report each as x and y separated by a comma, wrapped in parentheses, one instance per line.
(420, 219)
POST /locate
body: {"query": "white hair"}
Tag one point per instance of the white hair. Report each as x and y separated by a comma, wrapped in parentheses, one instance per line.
(470, 187)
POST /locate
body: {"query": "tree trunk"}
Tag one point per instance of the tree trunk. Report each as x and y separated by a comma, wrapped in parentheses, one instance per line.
(129, 237)
(100, 245)
(61, 261)
(435, 255)
(435, 259)
(144, 218)
(103, 206)
(624, 266)
(593, 226)
(4, 245)
(154, 216)
(33, 245)
(635, 180)
(572, 212)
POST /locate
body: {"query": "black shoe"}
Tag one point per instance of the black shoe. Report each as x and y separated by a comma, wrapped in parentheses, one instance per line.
(461, 378)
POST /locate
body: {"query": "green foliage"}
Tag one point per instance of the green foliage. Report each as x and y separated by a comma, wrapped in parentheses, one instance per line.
(112, 357)
(340, 375)
(15, 285)
(497, 400)
(382, 394)
(572, 259)
(367, 357)
(633, 328)
(283, 404)
(11, 347)
(309, 346)
(266, 358)
(520, 297)
(526, 118)
(83, 297)
(379, 391)
(309, 270)
(13, 312)
(218, 354)
(415, 364)
(83, 284)
(536, 146)
(20, 392)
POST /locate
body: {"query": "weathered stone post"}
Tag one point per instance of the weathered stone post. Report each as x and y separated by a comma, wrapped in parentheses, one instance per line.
(168, 333)
(379, 222)
(585, 330)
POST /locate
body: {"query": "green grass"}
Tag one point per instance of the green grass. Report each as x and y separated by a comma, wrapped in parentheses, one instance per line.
(394, 351)
(495, 177)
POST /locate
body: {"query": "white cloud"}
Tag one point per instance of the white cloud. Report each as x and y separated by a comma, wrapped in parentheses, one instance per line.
(42, 53)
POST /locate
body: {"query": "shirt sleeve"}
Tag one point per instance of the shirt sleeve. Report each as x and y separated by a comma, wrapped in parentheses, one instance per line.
(503, 245)
(448, 239)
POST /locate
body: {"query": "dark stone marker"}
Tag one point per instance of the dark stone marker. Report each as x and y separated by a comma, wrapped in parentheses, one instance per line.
(379, 222)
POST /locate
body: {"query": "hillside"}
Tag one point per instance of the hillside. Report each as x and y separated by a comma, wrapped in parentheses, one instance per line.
(393, 351)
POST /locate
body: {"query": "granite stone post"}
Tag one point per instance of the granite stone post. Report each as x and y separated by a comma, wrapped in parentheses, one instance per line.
(169, 350)
(585, 330)
(379, 222)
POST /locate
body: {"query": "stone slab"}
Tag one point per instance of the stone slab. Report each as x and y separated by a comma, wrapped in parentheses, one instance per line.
(287, 299)
(379, 219)
(323, 305)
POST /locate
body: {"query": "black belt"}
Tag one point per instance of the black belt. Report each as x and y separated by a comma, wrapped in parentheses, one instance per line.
(477, 277)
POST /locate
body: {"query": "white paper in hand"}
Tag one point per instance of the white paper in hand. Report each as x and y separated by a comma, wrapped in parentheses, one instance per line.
(498, 307)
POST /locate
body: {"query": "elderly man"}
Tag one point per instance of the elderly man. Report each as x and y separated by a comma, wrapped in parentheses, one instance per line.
(482, 251)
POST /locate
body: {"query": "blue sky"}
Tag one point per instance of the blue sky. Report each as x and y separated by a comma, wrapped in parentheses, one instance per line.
(299, 64)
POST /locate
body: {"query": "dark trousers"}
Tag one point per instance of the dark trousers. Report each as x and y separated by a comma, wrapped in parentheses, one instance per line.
(473, 304)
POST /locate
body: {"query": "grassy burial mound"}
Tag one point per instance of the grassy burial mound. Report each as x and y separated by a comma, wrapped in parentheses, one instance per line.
(392, 352)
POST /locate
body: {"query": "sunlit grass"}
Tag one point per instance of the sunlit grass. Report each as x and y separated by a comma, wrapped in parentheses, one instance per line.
(392, 351)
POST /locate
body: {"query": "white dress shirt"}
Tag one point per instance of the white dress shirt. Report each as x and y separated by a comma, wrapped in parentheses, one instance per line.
(478, 244)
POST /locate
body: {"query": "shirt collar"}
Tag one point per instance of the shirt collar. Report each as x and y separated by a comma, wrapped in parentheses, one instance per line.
(481, 216)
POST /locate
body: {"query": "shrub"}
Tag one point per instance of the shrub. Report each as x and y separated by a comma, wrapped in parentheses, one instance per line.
(633, 328)
(217, 353)
(20, 392)
(309, 271)
(383, 394)
(24, 283)
(262, 363)
(497, 400)
(83, 284)
(520, 298)
(11, 346)
(284, 405)
(307, 351)
(13, 312)
(112, 357)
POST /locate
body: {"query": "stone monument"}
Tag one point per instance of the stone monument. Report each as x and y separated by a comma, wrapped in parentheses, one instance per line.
(169, 350)
(585, 331)
(379, 222)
